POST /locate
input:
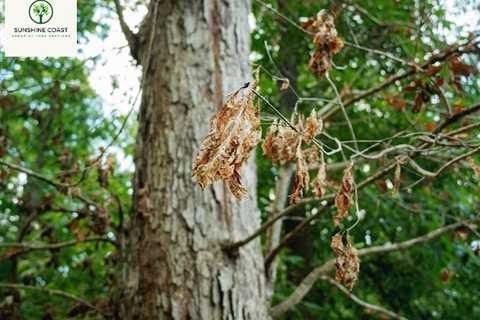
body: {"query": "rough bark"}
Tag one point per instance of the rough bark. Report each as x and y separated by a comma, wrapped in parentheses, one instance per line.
(177, 269)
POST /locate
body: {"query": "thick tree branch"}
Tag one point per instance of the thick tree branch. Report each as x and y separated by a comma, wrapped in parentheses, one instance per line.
(53, 292)
(129, 35)
(457, 116)
(308, 282)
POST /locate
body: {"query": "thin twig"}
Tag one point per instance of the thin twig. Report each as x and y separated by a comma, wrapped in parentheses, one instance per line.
(54, 292)
(460, 48)
(24, 247)
(357, 300)
(129, 35)
(342, 107)
(61, 187)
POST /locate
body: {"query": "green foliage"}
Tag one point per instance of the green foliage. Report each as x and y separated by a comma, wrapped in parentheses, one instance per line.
(52, 123)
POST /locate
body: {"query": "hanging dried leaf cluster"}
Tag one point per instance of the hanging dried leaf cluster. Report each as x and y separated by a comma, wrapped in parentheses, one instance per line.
(347, 262)
(320, 183)
(234, 133)
(326, 40)
(283, 144)
(397, 178)
(302, 177)
(313, 127)
(344, 196)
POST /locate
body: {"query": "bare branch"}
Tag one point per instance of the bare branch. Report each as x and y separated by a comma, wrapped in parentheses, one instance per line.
(357, 300)
(457, 116)
(24, 247)
(379, 52)
(61, 187)
(33, 174)
(308, 282)
(54, 293)
(462, 48)
(342, 107)
(129, 35)
(443, 167)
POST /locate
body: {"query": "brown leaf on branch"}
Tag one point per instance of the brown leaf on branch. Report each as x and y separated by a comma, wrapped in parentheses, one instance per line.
(432, 70)
(396, 101)
(347, 262)
(285, 84)
(475, 167)
(343, 202)
(311, 155)
(326, 40)
(445, 275)
(420, 98)
(313, 127)
(347, 181)
(281, 144)
(269, 147)
(302, 178)
(397, 178)
(344, 197)
(74, 227)
(460, 68)
(234, 133)
(320, 183)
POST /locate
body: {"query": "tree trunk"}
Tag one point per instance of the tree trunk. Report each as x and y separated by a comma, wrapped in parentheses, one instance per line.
(176, 267)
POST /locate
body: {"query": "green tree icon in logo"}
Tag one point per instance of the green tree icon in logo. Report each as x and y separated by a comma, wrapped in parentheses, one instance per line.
(41, 11)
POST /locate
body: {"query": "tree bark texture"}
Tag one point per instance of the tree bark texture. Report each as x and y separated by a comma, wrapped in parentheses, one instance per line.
(176, 267)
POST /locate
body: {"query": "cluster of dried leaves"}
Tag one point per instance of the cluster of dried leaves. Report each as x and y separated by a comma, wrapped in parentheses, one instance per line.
(234, 133)
(326, 40)
(284, 144)
(347, 262)
(430, 81)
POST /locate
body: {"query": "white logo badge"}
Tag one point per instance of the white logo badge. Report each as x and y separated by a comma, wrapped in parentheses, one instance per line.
(40, 28)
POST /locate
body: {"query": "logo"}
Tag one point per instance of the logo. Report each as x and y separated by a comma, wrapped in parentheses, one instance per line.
(32, 31)
(40, 11)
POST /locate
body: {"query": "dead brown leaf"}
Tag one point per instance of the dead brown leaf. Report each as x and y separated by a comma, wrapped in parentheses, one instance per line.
(281, 144)
(320, 183)
(302, 177)
(347, 262)
(397, 178)
(313, 127)
(234, 133)
(326, 40)
(344, 197)
(285, 84)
